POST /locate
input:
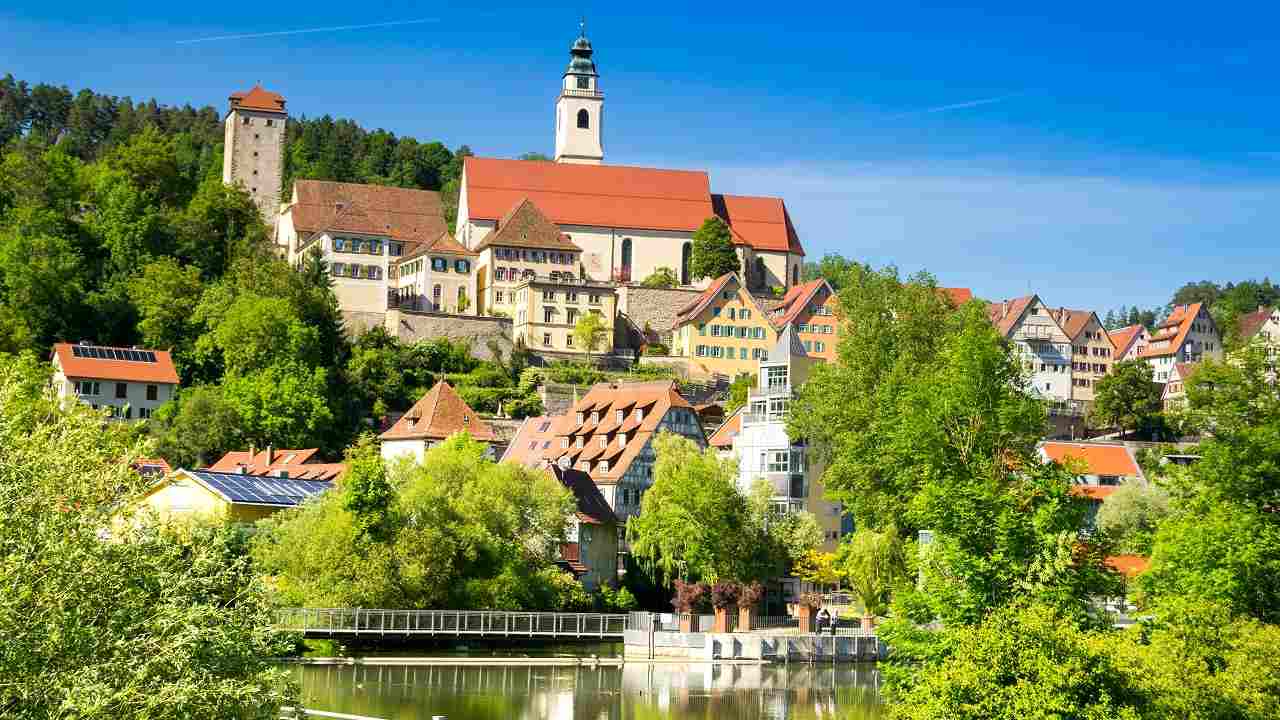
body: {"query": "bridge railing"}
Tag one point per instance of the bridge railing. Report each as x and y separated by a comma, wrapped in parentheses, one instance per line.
(359, 621)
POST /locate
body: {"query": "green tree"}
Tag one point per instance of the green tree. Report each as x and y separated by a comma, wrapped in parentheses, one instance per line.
(693, 521)
(1127, 397)
(590, 332)
(835, 269)
(738, 391)
(42, 281)
(163, 294)
(257, 332)
(220, 223)
(459, 531)
(285, 404)
(873, 563)
(713, 254)
(156, 623)
(197, 427)
(1130, 515)
(663, 277)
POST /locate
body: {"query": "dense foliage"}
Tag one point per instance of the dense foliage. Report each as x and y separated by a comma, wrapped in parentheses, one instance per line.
(1127, 398)
(156, 623)
(712, 253)
(456, 530)
(695, 523)
(1226, 303)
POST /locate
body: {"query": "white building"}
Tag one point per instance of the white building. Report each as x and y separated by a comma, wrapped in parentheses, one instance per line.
(131, 382)
(1188, 335)
(1044, 347)
(757, 437)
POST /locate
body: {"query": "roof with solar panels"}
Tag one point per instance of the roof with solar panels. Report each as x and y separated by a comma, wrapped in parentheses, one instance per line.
(100, 362)
(241, 489)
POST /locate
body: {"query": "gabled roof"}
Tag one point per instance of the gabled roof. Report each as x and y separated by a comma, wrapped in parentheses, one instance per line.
(1074, 322)
(401, 213)
(655, 399)
(797, 299)
(525, 226)
(594, 195)
(957, 296)
(444, 243)
(723, 436)
(1098, 459)
(259, 491)
(439, 414)
(100, 362)
(534, 437)
(592, 507)
(695, 307)
(1124, 338)
(257, 98)
(762, 223)
(1005, 315)
(1173, 329)
(1250, 323)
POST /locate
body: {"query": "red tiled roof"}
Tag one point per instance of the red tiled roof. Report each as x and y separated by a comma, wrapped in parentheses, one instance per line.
(1128, 565)
(1250, 323)
(1174, 328)
(728, 430)
(957, 296)
(296, 464)
(439, 414)
(442, 244)
(401, 213)
(1098, 459)
(1095, 492)
(797, 299)
(759, 222)
(1123, 338)
(98, 368)
(257, 98)
(655, 398)
(1005, 315)
(534, 437)
(595, 195)
(698, 304)
(525, 226)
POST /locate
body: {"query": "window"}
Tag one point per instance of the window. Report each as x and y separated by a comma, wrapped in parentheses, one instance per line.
(462, 266)
(548, 315)
(546, 342)
(270, 122)
(602, 466)
(701, 351)
(247, 121)
(436, 292)
(500, 274)
(571, 316)
(686, 255)
(593, 299)
(584, 82)
(88, 387)
(604, 442)
(777, 461)
(584, 119)
(742, 353)
(439, 264)
(564, 443)
(339, 244)
(497, 297)
(568, 339)
(819, 346)
(548, 295)
(776, 377)
(732, 314)
(396, 249)
(144, 413)
(338, 269)
(621, 415)
(122, 391)
(702, 328)
(571, 296)
(153, 392)
(626, 255)
(795, 275)
(639, 414)
(715, 312)
(374, 247)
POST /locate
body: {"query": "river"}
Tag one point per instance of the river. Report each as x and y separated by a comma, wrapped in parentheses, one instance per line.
(635, 691)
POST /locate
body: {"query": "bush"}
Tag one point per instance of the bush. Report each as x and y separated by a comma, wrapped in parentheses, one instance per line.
(573, 373)
(725, 593)
(618, 601)
(690, 597)
(657, 349)
(663, 277)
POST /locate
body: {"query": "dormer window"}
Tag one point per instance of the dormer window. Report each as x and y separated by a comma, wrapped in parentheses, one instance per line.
(603, 466)
(622, 414)
(595, 416)
(578, 443)
(622, 439)
(604, 442)
(639, 414)
(564, 443)
(564, 462)
(580, 418)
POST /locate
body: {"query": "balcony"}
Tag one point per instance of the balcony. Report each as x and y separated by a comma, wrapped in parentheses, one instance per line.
(576, 92)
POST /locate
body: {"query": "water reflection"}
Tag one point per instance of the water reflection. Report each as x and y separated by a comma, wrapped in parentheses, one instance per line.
(636, 691)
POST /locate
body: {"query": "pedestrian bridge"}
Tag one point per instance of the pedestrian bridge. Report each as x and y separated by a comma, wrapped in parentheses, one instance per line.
(368, 624)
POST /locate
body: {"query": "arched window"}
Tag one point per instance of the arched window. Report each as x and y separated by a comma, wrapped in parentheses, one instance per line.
(584, 119)
(686, 254)
(761, 277)
(626, 256)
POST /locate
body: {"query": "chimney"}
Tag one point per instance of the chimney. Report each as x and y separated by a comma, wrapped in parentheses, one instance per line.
(1004, 312)
(253, 452)
(269, 453)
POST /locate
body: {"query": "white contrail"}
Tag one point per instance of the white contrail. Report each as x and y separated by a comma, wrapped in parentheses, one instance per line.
(336, 28)
(957, 106)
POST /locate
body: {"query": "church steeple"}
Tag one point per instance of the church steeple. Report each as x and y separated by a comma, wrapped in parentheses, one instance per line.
(580, 107)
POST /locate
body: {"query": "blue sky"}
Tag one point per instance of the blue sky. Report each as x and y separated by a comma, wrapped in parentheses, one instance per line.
(1098, 154)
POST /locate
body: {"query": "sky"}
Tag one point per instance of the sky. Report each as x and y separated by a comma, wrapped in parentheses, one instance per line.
(1098, 154)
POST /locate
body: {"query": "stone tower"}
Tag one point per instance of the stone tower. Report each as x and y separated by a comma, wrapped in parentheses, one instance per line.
(253, 147)
(580, 108)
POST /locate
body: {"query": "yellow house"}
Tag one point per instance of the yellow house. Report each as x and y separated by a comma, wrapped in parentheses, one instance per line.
(724, 330)
(230, 496)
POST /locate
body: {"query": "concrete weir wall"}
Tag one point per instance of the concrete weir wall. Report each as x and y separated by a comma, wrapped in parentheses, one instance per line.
(760, 647)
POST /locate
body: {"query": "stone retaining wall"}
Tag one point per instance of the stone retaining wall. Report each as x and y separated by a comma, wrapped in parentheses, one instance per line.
(655, 306)
(475, 331)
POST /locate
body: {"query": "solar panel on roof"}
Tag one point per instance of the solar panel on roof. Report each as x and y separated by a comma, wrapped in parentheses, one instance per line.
(75, 350)
(109, 353)
(262, 490)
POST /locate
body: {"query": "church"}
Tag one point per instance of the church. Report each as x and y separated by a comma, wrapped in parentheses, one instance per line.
(538, 242)
(626, 221)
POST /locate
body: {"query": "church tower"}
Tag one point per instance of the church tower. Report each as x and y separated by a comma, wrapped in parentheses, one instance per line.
(580, 108)
(253, 147)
